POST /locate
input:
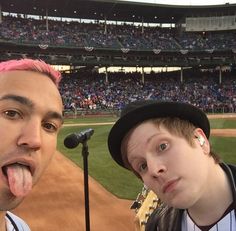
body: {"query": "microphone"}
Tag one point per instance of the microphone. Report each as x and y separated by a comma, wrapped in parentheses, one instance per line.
(73, 140)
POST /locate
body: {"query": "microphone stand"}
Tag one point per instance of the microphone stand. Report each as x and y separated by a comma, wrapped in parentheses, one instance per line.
(72, 141)
(85, 154)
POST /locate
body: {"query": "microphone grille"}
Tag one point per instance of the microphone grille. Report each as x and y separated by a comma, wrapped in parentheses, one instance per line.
(71, 141)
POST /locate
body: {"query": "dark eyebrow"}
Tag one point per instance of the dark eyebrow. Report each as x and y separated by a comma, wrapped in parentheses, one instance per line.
(19, 99)
(25, 101)
(55, 115)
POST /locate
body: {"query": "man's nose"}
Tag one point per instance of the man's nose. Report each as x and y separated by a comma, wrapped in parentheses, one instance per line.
(30, 135)
(156, 167)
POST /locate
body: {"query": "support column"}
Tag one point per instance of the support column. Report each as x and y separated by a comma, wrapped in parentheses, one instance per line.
(143, 80)
(142, 26)
(105, 28)
(106, 75)
(0, 13)
(47, 19)
(181, 74)
(220, 75)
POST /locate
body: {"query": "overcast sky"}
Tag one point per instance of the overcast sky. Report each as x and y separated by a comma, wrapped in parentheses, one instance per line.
(186, 2)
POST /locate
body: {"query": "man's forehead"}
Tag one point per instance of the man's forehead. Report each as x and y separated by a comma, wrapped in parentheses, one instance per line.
(26, 78)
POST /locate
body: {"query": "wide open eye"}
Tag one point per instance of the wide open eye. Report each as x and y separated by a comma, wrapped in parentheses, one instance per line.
(163, 147)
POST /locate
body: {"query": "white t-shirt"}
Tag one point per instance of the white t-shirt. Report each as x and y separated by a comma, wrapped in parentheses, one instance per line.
(14, 223)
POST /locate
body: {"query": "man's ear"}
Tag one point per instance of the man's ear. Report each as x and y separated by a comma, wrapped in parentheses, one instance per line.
(202, 139)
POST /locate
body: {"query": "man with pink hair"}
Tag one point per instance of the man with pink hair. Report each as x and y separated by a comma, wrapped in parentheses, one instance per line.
(30, 119)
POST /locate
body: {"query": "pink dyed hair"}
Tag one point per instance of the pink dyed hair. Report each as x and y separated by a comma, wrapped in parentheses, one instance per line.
(35, 65)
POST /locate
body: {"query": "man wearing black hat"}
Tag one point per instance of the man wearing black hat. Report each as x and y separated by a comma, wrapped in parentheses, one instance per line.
(166, 145)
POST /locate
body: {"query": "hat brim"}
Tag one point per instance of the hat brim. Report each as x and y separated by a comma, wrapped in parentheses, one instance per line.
(183, 111)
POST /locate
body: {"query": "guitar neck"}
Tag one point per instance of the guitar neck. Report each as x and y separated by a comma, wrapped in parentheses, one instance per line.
(147, 204)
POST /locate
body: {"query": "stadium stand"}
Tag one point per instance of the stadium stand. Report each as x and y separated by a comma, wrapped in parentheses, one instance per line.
(202, 40)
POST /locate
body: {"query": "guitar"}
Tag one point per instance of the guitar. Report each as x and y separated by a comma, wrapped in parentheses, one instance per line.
(145, 203)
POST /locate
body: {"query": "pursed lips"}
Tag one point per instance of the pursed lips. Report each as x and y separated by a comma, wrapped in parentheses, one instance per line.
(170, 185)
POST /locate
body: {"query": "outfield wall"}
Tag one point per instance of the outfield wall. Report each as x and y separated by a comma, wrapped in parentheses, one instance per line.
(114, 112)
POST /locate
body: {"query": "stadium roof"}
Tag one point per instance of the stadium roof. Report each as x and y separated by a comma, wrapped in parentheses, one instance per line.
(114, 10)
(185, 2)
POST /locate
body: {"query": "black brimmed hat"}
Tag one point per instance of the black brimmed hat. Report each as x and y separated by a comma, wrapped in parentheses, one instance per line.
(139, 111)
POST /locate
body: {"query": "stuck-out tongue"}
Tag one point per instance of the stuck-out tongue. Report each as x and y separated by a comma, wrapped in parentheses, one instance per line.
(19, 179)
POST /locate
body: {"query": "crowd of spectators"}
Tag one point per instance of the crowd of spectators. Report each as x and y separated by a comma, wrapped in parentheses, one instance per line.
(90, 91)
(113, 36)
(86, 91)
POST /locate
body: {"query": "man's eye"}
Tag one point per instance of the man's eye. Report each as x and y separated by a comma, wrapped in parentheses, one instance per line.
(50, 127)
(163, 146)
(12, 114)
(142, 167)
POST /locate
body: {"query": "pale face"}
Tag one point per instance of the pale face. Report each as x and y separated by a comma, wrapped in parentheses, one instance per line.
(30, 119)
(174, 170)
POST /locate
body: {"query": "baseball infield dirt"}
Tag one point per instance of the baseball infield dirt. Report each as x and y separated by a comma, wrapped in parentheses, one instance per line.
(57, 202)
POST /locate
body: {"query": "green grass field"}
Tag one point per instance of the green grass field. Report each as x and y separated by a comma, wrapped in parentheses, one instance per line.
(115, 179)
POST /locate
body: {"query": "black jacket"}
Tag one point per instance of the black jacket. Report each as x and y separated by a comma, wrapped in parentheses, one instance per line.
(166, 218)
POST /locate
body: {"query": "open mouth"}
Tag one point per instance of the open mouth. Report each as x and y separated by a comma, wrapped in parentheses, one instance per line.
(13, 165)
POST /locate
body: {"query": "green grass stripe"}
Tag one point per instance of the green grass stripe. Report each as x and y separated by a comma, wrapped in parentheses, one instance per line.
(114, 178)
